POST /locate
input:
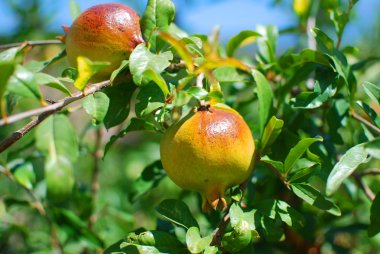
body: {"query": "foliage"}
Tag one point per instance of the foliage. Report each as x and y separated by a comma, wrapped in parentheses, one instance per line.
(91, 181)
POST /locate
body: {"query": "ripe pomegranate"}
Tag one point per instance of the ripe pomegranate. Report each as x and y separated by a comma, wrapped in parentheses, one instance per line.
(105, 32)
(208, 151)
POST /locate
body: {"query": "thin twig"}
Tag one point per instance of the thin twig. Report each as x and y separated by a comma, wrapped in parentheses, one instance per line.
(97, 155)
(30, 43)
(374, 171)
(367, 191)
(365, 121)
(219, 231)
(44, 113)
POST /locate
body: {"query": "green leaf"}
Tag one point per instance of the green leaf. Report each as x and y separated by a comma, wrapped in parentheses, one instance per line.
(297, 151)
(237, 215)
(149, 179)
(24, 175)
(119, 103)
(314, 198)
(44, 79)
(324, 43)
(56, 137)
(74, 9)
(302, 174)
(276, 164)
(195, 243)
(197, 92)
(244, 38)
(177, 212)
(149, 99)
(150, 74)
(87, 69)
(210, 250)
(237, 239)
(59, 177)
(9, 55)
(7, 69)
(373, 148)
(153, 242)
(142, 59)
(135, 125)
(373, 91)
(271, 132)
(124, 65)
(157, 16)
(96, 105)
(37, 66)
(374, 226)
(267, 43)
(23, 83)
(265, 95)
(231, 75)
(345, 167)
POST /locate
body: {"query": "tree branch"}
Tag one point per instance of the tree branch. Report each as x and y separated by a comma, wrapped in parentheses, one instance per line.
(30, 43)
(367, 191)
(365, 122)
(43, 113)
(97, 155)
(374, 171)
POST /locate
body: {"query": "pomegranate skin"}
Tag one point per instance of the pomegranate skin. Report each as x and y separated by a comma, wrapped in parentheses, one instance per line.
(106, 32)
(208, 151)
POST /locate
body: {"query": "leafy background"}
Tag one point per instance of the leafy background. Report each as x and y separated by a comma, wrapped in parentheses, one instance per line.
(309, 139)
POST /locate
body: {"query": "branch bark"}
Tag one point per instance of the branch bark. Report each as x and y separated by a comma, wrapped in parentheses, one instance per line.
(30, 43)
(365, 122)
(367, 191)
(43, 113)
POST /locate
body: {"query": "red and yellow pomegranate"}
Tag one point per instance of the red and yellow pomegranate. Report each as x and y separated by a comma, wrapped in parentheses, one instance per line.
(106, 32)
(209, 151)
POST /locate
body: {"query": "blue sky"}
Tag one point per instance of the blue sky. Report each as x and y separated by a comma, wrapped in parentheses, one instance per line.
(201, 16)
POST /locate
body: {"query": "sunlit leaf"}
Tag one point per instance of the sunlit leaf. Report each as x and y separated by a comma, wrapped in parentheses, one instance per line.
(297, 151)
(97, 105)
(271, 132)
(44, 79)
(74, 9)
(265, 96)
(24, 175)
(195, 243)
(87, 69)
(314, 198)
(242, 39)
(345, 167)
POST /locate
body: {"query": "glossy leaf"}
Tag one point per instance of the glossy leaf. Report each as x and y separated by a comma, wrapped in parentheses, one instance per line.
(244, 38)
(237, 215)
(275, 164)
(24, 175)
(374, 226)
(96, 105)
(151, 75)
(177, 212)
(157, 16)
(149, 99)
(373, 91)
(373, 148)
(7, 69)
(142, 59)
(9, 55)
(265, 96)
(87, 69)
(37, 66)
(237, 239)
(44, 79)
(345, 167)
(119, 103)
(267, 43)
(124, 65)
(195, 243)
(314, 198)
(23, 83)
(297, 151)
(153, 242)
(271, 132)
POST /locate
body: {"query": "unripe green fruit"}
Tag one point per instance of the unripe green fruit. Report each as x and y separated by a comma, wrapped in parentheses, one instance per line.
(106, 32)
(208, 151)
